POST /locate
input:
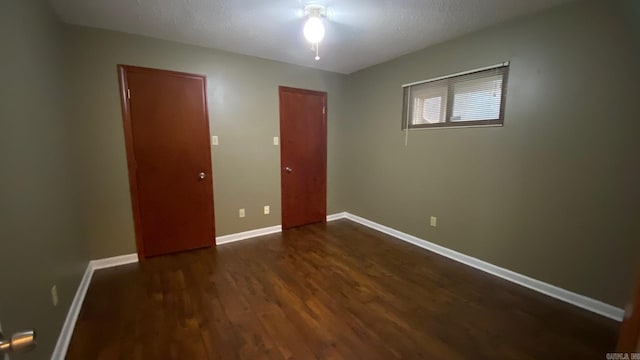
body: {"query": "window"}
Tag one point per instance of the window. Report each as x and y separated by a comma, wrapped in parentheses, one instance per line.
(469, 99)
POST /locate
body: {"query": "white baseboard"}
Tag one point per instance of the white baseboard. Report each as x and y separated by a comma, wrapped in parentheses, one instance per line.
(247, 234)
(337, 216)
(570, 297)
(264, 231)
(66, 332)
(60, 351)
(114, 261)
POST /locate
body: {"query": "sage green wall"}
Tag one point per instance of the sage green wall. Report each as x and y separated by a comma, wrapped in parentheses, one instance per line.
(631, 10)
(243, 112)
(41, 232)
(554, 194)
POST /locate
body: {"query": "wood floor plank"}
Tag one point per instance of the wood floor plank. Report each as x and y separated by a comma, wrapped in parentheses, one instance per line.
(325, 291)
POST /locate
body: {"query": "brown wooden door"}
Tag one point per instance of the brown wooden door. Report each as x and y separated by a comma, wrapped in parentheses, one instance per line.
(303, 156)
(167, 137)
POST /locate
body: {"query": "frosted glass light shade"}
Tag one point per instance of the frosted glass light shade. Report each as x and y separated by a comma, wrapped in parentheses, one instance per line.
(314, 30)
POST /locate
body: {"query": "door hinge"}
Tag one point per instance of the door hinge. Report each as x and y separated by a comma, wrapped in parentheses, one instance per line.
(128, 94)
(324, 110)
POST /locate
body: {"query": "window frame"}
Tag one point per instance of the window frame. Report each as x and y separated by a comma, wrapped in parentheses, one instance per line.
(450, 81)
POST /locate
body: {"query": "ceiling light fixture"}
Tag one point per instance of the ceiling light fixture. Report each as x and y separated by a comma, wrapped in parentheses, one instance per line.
(313, 28)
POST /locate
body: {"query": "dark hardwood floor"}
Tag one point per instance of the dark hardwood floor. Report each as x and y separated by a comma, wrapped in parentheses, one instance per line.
(326, 291)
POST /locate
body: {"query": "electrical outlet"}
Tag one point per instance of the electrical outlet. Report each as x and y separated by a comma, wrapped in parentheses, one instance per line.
(241, 213)
(214, 140)
(276, 140)
(54, 295)
(433, 221)
(267, 210)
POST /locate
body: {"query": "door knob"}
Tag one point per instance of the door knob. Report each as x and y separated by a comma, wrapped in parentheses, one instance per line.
(202, 175)
(19, 342)
(288, 169)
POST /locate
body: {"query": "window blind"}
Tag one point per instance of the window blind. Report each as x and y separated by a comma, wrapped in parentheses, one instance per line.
(474, 98)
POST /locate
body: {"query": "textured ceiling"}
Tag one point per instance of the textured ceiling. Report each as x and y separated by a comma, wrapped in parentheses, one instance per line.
(359, 33)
